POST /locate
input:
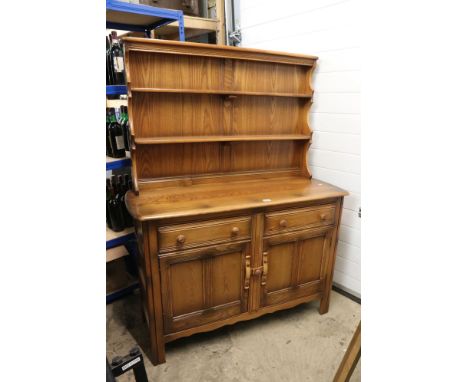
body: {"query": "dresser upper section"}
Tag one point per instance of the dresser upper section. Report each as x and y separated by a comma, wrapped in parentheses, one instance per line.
(199, 112)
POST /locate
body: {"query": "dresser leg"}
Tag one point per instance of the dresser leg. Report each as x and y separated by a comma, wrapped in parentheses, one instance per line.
(324, 304)
(157, 355)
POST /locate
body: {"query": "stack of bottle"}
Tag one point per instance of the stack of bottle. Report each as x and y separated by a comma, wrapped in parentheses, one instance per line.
(117, 216)
(117, 132)
(115, 72)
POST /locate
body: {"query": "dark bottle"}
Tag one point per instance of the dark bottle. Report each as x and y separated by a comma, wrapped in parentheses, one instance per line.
(108, 82)
(128, 180)
(108, 144)
(128, 217)
(109, 63)
(117, 60)
(116, 138)
(115, 212)
(122, 191)
(124, 124)
(108, 198)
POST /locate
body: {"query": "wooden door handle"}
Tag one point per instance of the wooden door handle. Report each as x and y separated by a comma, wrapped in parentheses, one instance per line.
(283, 223)
(248, 272)
(265, 268)
(323, 216)
(181, 239)
(235, 230)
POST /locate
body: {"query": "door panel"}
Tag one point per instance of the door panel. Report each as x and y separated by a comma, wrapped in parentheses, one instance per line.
(203, 285)
(296, 265)
(186, 295)
(227, 278)
(280, 264)
(310, 254)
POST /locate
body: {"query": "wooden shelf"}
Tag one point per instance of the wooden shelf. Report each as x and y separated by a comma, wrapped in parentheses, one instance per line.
(220, 92)
(114, 239)
(194, 26)
(111, 235)
(221, 138)
(116, 102)
(116, 253)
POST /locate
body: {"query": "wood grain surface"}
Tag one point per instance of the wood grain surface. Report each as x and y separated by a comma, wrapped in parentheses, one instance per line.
(230, 225)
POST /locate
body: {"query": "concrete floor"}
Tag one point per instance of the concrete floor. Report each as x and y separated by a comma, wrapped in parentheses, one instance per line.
(292, 345)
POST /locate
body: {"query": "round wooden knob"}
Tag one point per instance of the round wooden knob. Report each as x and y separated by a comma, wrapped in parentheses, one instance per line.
(283, 223)
(235, 230)
(181, 239)
(323, 216)
(257, 272)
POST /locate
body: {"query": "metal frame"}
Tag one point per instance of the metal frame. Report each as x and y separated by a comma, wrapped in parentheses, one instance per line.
(118, 294)
(132, 361)
(167, 16)
(121, 240)
(116, 90)
(232, 15)
(162, 17)
(114, 165)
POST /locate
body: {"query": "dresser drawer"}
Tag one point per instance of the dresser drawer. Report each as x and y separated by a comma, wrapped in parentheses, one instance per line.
(299, 218)
(190, 235)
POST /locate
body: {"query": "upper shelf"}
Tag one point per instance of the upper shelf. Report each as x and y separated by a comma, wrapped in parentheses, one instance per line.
(150, 46)
(141, 18)
(221, 138)
(194, 26)
(220, 92)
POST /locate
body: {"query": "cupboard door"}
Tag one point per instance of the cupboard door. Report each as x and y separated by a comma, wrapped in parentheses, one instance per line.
(203, 285)
(294, 265)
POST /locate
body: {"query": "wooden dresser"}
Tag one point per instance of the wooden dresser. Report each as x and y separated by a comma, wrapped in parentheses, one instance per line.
(230, 224)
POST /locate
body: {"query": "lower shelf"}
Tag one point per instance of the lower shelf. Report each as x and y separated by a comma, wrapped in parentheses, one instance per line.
(113, 296)
(121, 279)
(116, 253)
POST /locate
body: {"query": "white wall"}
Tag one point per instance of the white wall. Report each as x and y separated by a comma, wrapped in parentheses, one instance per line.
(328, 29)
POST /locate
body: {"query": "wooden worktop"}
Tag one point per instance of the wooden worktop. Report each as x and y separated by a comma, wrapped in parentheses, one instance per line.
(201, 199)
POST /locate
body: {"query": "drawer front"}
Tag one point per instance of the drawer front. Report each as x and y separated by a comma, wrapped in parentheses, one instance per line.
(300, 218)
(185, 236)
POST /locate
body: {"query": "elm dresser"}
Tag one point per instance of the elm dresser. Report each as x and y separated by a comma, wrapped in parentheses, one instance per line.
(229, 221)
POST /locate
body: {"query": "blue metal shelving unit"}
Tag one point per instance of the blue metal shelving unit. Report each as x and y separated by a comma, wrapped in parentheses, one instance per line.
(135, 18)
(141, 18)
(125, 162)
